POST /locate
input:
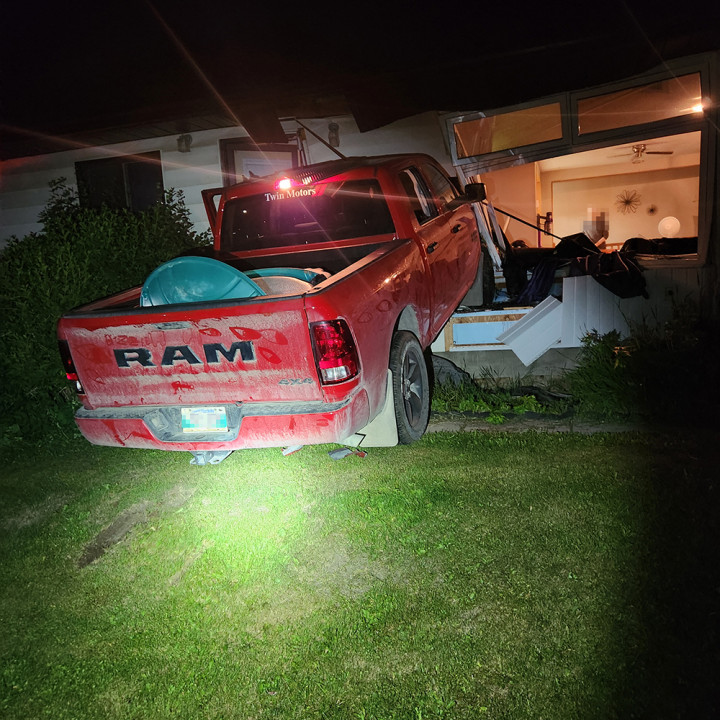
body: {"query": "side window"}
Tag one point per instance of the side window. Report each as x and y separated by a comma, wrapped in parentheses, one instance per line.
(421, 199)
(127, 181)
(442, 187)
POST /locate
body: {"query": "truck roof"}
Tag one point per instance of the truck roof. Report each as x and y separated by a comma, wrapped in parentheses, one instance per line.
(361, 167)
(321, 171)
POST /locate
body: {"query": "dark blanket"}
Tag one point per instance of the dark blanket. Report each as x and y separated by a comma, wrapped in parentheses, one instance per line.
(661, 246)
(616, 271)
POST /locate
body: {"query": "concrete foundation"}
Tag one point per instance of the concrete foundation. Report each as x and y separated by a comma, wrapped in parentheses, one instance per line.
(505, 365)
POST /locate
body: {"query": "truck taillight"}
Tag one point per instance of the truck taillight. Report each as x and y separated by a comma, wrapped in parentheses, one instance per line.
(335, 352)
(69, 365)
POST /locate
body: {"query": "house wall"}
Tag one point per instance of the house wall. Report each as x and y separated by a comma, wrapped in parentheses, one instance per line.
(24, 182)
(420, 133)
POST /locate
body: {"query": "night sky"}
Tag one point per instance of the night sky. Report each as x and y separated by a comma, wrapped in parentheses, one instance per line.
(87, 65)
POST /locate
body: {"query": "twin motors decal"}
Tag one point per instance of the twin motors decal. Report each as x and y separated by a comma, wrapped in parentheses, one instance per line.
(212, 354)
(291, 193)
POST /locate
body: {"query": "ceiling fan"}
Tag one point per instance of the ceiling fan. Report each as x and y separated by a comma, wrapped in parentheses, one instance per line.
(637, 151)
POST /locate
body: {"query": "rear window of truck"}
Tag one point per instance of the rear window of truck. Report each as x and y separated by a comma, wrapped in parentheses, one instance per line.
(305, 214)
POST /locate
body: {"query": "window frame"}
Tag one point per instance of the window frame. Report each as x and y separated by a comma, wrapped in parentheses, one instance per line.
(122, 163)
(228, 147)
(433, 176)
(503, 158)
(684, 121)
(574, 142)
(422, 197)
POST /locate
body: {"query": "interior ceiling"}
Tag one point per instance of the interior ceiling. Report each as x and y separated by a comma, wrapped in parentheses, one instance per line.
(685, 149)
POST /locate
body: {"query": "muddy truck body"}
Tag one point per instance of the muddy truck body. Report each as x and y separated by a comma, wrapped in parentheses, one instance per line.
(306, 322)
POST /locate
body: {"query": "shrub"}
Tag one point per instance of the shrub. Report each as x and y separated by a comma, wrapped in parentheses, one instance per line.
(664, 373)
(603, 384)
(495, 403)
(80, 255)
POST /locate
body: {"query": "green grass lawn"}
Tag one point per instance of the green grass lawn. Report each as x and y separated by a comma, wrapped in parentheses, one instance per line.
(478, 575)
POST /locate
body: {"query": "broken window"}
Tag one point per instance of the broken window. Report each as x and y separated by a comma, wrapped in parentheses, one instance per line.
(642, 195)
(633, 165)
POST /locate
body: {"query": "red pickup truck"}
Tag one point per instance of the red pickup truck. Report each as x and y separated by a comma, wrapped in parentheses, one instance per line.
(306, 322)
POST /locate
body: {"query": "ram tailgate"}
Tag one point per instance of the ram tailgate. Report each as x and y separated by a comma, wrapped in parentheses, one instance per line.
(194, 355)
(206, 380)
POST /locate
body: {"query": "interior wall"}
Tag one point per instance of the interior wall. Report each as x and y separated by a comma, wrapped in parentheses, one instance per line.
(513, 190)
(650, 196)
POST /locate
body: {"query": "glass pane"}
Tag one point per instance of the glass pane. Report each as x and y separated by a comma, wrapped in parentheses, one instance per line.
(420, 198)
(508, 130)
(639, 105)
(144, 183)
(101, 182)
(132, 181)
(328, 212)
(442, 187)
(251, 163)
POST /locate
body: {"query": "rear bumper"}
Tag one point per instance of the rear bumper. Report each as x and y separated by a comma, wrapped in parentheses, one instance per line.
(250, 425)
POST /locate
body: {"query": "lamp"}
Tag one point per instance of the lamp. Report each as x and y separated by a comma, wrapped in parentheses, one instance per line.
(334, 134)
(669, 227)
(184, 142)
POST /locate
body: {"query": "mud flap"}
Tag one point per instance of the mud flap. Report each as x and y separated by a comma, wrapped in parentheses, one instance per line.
(381, 431)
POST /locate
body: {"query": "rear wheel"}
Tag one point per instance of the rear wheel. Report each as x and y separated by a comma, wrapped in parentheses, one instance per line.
(411, 389)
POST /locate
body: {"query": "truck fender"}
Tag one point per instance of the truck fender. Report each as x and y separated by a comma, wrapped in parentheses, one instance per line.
(408, 321)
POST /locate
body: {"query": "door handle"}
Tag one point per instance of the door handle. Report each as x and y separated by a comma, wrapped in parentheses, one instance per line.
(431, 247)
(456, 228)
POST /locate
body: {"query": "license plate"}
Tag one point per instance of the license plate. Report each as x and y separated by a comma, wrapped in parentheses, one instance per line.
(204, 420)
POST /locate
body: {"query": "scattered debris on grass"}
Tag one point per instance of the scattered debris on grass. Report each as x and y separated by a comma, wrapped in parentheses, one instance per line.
(291, 449)
(343, 452)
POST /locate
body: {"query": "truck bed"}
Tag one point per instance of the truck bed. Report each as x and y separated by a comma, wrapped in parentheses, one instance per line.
(331, 260)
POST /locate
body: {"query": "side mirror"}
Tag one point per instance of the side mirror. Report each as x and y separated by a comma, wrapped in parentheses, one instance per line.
(475, 192)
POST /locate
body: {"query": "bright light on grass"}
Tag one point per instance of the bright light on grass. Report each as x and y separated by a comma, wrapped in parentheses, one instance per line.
(463, 577)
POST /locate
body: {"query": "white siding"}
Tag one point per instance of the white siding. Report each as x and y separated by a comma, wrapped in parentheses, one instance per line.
(24, 182)
(418, 134)
(24, 191)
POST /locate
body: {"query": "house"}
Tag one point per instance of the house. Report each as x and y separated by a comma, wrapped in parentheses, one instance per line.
(636, 158)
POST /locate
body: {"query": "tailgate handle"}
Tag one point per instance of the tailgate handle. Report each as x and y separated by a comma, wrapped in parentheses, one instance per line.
(431, 247)
(456, 228)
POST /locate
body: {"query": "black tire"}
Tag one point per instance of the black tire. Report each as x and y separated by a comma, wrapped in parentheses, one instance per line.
(411, 388)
